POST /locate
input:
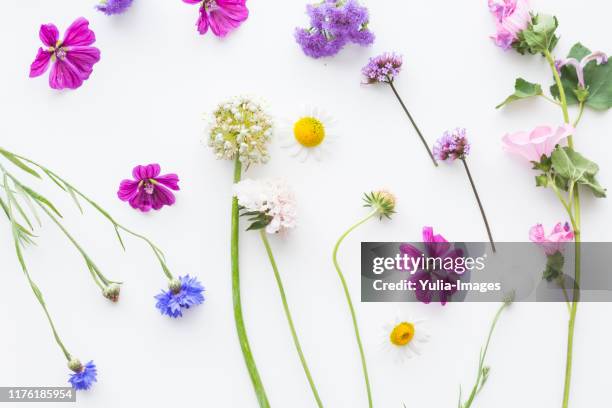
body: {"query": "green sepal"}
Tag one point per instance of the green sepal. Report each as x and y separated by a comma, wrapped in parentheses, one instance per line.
(541, 180)
(522, 90)
(554, 267)
(539, 37)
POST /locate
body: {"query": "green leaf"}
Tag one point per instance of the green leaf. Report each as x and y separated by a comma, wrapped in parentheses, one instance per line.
(554, 266)
(41, 199)
(573, 167)
(17, 162)
(597, 78)
(540, 36)
(522, 90)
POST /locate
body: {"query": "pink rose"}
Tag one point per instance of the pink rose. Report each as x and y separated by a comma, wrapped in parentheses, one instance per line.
(552, 243)
(541, 141)
(511, 17)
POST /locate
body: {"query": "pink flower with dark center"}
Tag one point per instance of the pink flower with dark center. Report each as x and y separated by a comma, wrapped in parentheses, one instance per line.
(511, 17)
(554, 242)
(73, 57)
(149, 189)
(222, 16)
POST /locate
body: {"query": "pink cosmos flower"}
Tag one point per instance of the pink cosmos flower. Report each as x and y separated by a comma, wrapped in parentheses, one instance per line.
(540, 141)
(554, 242)
(149, 189)
(511, 17)
(73, 57)
(222, 16)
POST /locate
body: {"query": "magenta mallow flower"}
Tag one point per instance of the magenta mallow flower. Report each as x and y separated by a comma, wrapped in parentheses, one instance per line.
(539, 142)
(599, 57)
(511, 17)
(382, 68)
(222, 16)
(73, 57)
(434, 280)
(553, 242)
(149, 189)
(452, 145)
(111, 7)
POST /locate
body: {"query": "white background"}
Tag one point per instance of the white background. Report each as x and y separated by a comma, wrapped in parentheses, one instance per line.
(145, 102)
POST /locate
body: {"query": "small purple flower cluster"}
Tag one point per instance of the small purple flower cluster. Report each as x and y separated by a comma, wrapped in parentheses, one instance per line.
(333, 24)
(382, 68)
(452, 146)
(110, 7)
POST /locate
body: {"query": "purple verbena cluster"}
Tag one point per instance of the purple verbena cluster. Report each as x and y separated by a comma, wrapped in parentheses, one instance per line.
(333, 24)
(110, 7)
(382, 68)
(452, 146)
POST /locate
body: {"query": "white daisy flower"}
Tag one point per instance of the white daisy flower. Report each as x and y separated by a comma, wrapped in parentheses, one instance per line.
(403, 337)
(309, 135)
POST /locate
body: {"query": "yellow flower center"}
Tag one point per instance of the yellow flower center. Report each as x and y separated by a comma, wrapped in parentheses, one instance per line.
(402, 334)
(309, 132)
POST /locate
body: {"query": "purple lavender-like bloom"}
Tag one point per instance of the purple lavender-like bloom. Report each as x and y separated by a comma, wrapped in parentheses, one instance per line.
(84, 376)
(183, 294)
(333, 24)
(452, 146)
(110, 7)
(383, 68)
(430, 276)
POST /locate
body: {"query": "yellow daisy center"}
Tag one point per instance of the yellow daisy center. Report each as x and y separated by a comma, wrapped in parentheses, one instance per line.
(402, 334)
(309, 132)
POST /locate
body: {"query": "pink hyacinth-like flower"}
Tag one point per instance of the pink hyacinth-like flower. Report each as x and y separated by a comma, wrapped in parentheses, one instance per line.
(72, 58)
(149, 189)
(554, 242)
(222, 16)
(539, 142)
(511, 17)
(599, 57)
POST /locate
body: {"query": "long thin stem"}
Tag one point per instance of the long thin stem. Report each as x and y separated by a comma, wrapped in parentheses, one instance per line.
(483, 354)
(238, 317)
(433, 159)
(294, 335)
(482, 211)
(347, 294)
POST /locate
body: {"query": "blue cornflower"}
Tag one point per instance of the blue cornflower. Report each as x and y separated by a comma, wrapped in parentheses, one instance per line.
(183, 294)
(84, 376)
(110, 7)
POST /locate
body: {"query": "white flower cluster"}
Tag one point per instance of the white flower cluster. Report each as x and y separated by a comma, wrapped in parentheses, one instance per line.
(240, 128)
(272, 198)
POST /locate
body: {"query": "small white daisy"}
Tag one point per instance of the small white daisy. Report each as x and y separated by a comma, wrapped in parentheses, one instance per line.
(309, 134)
(402, 337)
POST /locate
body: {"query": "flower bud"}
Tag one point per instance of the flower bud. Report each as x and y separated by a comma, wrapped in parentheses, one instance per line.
(111, 292)
(382, 201)
(75, 365)
(175, 286)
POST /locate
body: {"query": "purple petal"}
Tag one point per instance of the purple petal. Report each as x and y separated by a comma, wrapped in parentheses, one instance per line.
(169, 180)
(141, 201)
(83, 59)
(146, 172)
(162, 196)
(40, 64)
(79, 34)
(64, 75)
(202, 23)
(49, 34)
(127, 190)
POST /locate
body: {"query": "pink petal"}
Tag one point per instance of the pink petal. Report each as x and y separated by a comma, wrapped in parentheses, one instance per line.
(64, 75)
(162, 196)
(537, 234)
(49, 34)
(83, 59)
(202, 23)
(79, 34)
(40, 64)
(141, 201)
(127, 190)
(146, 172)
(227, 17)
(169, 180)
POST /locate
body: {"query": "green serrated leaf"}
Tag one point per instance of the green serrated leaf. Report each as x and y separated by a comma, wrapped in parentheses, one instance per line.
(522, 90)
(540, 36)
(17, 162)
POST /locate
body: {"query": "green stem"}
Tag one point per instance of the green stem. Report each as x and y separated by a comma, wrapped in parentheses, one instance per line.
(580, 113)
(562, 96)
(238, 317)
(433, 159)
(296, 340)
(350, 302)
(482, 211)
(483, 354)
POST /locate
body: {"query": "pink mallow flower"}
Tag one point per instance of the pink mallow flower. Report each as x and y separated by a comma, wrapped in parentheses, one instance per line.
(554, 242)
(511, 17)
(73, 57)
(222, 16)
(149, 189)
(539, 142)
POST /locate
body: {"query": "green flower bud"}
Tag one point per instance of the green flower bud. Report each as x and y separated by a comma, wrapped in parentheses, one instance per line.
(75, 365)
(111, 292)
(175, 286)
